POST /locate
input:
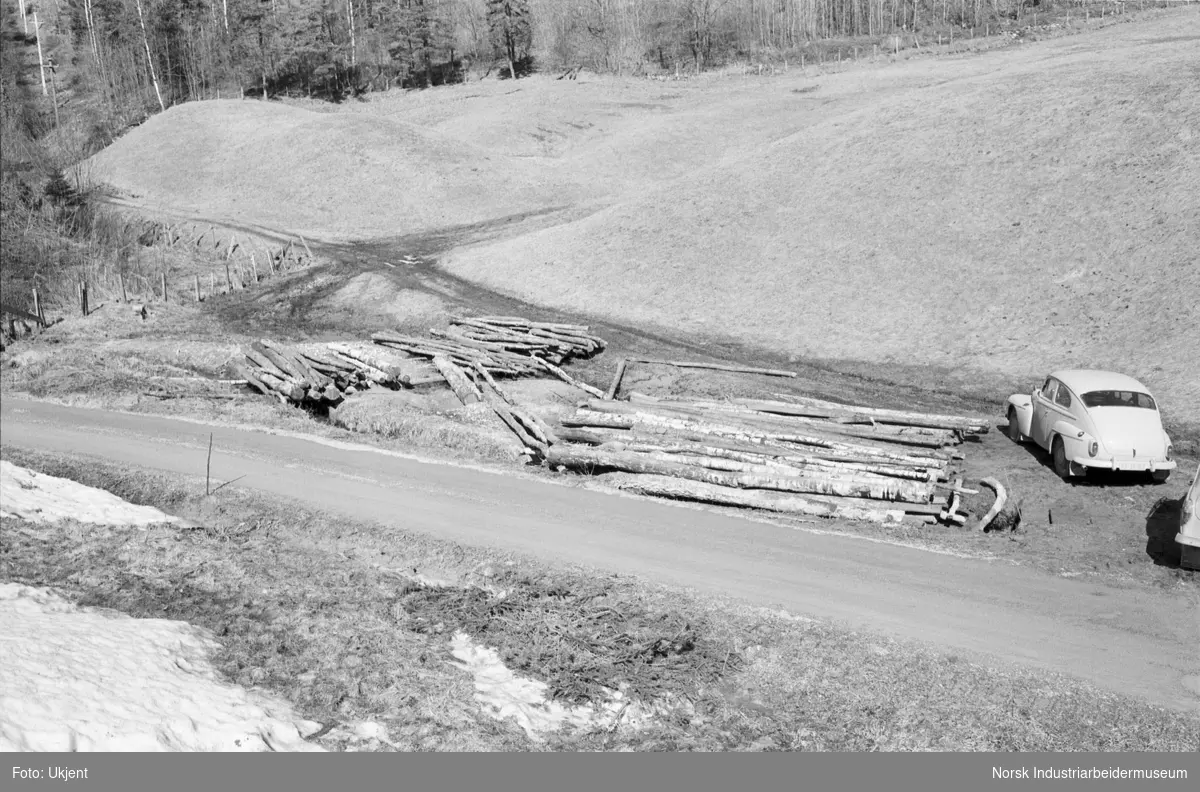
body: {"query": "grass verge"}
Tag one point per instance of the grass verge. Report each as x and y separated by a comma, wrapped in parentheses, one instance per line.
(331, 614)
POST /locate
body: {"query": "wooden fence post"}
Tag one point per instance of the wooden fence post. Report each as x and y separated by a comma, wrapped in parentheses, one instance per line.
(83, 297)
(162, 279)
(255, 267)
(197, 283)
(37, 308)
(228, 277)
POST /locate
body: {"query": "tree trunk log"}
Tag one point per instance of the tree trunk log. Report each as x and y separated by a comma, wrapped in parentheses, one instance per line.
(567, 378)
(717, 367)
(668, 487)
(589, 461)
(902, 417)
(997, 507)
(389, 369)
(585, 417)
(747, 419)
(458, 381)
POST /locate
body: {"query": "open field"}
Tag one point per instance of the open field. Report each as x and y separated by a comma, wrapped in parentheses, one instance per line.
(351, 621)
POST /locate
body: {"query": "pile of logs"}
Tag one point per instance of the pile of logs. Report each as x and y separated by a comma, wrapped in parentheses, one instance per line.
(803, 457)
(315, 376)
(505, 346)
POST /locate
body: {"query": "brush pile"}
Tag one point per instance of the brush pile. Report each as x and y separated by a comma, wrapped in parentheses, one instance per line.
(803, 457)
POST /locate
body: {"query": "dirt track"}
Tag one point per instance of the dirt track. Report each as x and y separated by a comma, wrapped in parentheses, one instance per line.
(1136, 642)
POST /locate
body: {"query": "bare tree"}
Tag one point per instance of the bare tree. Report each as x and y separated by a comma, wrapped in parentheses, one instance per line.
(149, 58)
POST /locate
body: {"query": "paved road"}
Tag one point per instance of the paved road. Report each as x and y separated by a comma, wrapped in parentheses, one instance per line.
(1138, 642)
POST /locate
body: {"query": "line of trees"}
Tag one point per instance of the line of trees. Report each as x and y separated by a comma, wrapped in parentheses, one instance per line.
(162, 52)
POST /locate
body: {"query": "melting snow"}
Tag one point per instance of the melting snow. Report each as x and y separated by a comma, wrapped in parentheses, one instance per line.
(37, 497)
(89, 680)
(506, 695)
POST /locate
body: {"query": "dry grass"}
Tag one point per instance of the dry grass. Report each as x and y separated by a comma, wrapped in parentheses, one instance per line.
(973, 215)
(324, 612)
(473, 431)
(1023, 211)
(294, 169)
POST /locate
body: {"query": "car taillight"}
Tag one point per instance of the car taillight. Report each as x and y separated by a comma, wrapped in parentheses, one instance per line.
(1094, 448)
(1186, 511)
(1170, 448)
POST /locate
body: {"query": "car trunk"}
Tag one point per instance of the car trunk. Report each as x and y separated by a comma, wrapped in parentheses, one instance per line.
(1129, 432)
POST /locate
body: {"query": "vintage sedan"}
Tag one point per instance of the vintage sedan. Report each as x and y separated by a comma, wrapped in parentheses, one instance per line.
(1189, 526)
(1093, 419)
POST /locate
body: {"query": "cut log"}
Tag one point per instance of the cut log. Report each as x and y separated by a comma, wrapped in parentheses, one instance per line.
(505, 414)
(750, 454)
(326, 360)
(746, 419)
(918, 491)
(616, 383)
(585, 417)
(299, 365)
(286, 387)
(247, 374)
(971, 424)
(820, 417)
(458, 381)
(280, 362)
(668, 487)
(260, 361)
(567, 378)
(997, 507)
(390, 370)
(716, 367)
(590, 461)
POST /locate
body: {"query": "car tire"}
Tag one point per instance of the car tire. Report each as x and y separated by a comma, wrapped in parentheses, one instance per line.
(1062, 465)
(1014, 425)
(1189, 557)
(1160, 476)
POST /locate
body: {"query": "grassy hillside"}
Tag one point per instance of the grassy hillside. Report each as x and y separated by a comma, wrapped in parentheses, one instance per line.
(1023, 209)
(1043, 213)
(336, 175)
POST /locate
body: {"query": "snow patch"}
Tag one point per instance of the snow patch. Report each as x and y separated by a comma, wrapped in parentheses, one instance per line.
(504, 695)
(36, 497)
(84, 679)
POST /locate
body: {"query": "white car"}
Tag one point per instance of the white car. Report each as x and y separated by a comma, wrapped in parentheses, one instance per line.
(1093, 419)
(1189, 526)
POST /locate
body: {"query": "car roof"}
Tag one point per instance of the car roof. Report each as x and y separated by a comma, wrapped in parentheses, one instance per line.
(1085, 380)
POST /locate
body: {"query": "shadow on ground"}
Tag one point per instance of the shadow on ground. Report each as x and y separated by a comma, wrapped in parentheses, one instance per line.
(1162, 525)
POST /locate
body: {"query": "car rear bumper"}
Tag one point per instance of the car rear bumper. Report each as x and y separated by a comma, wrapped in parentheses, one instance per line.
(1149, 464)
(1187, 539)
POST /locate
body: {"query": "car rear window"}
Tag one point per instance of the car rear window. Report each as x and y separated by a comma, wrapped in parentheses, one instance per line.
(1113, 398)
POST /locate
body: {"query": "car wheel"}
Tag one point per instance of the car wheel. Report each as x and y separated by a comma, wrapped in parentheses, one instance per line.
(1062, 465)
(1014, 425)
(1160, 476)
(1189, 557)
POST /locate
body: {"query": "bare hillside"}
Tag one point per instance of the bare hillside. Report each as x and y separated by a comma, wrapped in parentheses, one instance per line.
(341, 175)
(1010, 211)
(1042, 213)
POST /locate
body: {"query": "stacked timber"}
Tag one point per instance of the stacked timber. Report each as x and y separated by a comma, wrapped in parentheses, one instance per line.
(314, 376)
(810, 458)
(469, 357)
